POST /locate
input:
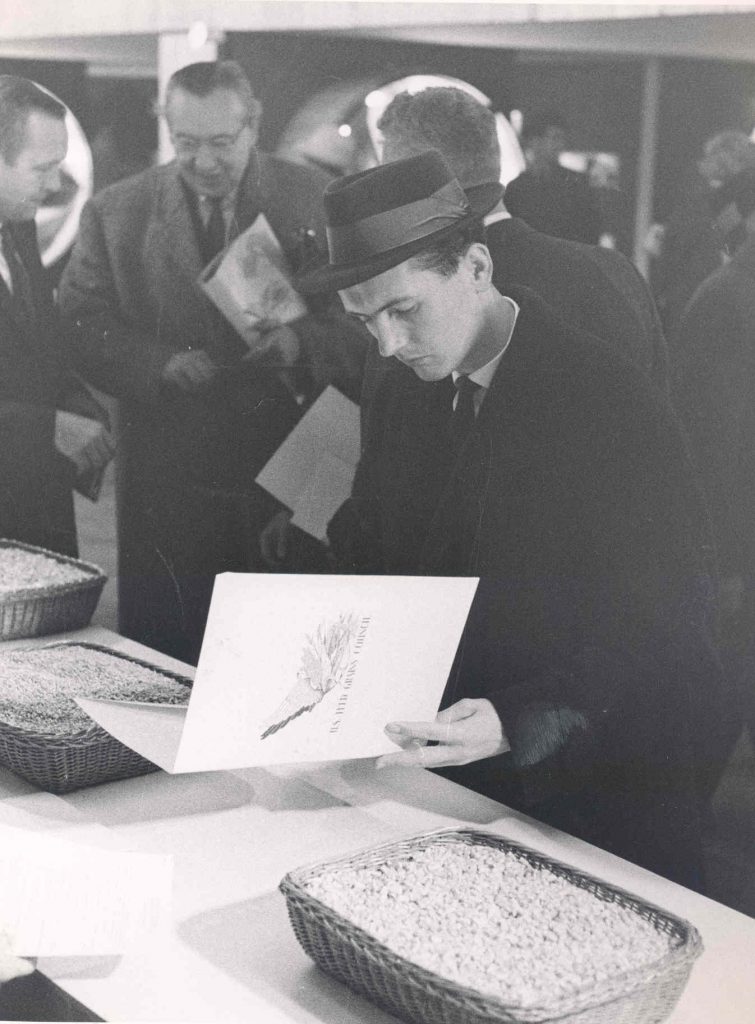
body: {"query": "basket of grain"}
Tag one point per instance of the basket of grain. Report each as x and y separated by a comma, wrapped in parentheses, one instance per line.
(465, 927)
(42, 592)
(47, 739)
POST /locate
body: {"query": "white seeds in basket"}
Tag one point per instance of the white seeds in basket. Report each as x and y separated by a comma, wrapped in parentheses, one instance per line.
(31, 570)
(487, 919)
(37, 687)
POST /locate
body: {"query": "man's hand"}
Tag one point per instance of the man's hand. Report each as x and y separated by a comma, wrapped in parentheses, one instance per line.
(469, 730)
(190, 371)
(274, 538)
(96, 453)
(12, 966)
(279, 346)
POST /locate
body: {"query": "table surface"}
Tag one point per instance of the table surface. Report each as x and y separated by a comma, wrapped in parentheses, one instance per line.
(230, 954)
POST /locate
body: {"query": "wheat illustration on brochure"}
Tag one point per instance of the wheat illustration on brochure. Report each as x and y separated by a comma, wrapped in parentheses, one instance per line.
(297, 669)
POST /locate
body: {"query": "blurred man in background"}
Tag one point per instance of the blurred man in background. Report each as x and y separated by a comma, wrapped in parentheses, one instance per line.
(36, 502)
(686, 248)
(714, 388)
(201, 413)
(548, 196)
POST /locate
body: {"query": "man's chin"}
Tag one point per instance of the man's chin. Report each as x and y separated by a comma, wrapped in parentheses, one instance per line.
(427, 371)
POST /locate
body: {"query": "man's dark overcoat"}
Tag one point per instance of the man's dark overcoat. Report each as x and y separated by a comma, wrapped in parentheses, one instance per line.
(36, 503)
(188, 506)
(574, 501)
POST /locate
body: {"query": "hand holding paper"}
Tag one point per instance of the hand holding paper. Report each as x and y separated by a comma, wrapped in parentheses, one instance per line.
(303, 668)
(89, 445)
(469, 730)
(190, 370)
(11, 966)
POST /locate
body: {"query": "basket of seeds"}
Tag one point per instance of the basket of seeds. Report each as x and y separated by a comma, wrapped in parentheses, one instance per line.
(42, 592)
(464, 927)
(47, 739)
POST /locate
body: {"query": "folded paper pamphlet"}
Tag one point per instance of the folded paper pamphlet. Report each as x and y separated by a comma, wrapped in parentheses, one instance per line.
(313, 470)
(300, 668)
(250, 283)
(72, 434)
(62, 898)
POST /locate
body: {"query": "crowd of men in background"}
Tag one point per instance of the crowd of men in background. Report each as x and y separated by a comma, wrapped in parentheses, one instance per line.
(517, 425)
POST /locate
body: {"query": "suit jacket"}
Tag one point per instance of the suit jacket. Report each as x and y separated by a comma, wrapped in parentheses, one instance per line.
(574, 501)
(129, 293)
(35, 481)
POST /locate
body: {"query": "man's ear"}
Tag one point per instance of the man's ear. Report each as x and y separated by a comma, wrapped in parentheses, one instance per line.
(480, 265)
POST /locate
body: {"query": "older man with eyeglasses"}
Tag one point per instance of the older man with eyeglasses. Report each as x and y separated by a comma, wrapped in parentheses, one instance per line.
(199, 417)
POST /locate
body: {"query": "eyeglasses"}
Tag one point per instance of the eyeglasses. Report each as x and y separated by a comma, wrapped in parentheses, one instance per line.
(219, 145)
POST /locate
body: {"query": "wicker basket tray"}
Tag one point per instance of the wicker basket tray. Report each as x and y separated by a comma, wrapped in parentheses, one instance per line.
(59, 608)
(638, 996)
(61, 764)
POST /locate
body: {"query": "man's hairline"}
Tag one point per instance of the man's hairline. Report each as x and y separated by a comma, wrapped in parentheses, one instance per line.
(22, 145)
(171, 89)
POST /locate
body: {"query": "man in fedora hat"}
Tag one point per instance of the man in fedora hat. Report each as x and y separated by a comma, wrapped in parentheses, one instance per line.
(549, 468)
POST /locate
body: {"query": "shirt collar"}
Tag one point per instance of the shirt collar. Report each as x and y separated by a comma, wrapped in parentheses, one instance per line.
(484, 375)
(496, 215)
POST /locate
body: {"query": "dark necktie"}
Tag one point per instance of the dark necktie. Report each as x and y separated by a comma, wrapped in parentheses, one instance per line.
(463, 415)
(214, 232)
(23, 295)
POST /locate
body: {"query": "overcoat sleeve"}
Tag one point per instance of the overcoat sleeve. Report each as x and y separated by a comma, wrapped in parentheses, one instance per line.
(112, 354)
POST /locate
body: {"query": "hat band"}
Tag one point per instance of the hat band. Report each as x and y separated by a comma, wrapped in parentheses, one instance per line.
(382, 232)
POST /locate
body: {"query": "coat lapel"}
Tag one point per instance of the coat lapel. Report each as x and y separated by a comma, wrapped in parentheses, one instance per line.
(172, 230)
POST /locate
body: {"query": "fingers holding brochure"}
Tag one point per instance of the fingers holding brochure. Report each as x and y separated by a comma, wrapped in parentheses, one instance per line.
(469, 730)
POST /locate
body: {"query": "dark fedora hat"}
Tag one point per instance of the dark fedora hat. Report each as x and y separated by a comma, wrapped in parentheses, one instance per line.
(378, 218)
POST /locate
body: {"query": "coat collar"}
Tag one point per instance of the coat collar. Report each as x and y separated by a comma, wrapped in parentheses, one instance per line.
(175, 220)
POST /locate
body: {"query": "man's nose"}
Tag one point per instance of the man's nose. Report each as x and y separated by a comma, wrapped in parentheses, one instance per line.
(389, 339)
(205, 159)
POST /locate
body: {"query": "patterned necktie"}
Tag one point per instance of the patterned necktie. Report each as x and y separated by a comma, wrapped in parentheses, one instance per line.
(23, 294)
(463, 415)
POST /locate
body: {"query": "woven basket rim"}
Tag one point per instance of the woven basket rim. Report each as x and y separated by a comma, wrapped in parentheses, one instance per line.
(689, 948)
(97, 576)
(94, 733)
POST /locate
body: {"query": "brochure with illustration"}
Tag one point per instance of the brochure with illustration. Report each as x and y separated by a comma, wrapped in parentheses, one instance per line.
(300, 668)
(313, 470)
(250, 283)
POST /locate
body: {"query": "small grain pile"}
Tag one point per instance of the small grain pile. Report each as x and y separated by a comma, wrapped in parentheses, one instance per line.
(487, 919)
(37, 687)
(22, 570)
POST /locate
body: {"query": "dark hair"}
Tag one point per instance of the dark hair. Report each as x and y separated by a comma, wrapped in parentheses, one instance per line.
(451, 121)
(206, 77)
(20, 97)
(445, 256)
